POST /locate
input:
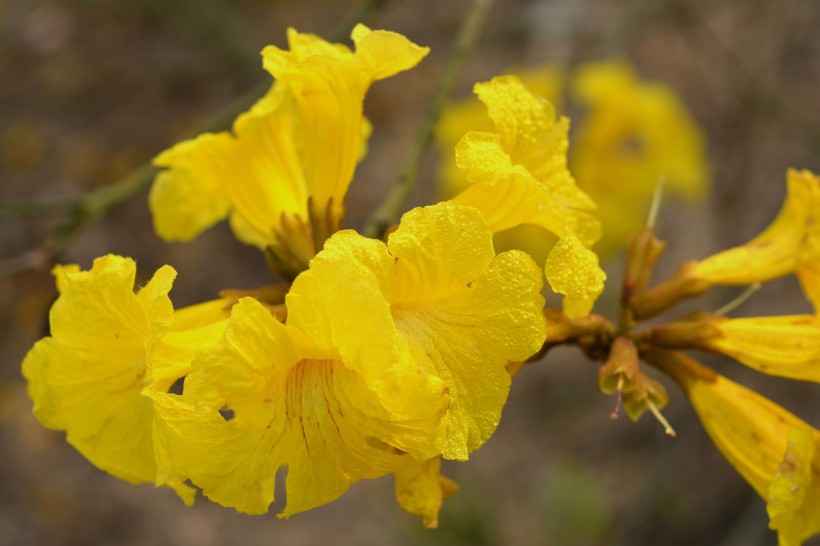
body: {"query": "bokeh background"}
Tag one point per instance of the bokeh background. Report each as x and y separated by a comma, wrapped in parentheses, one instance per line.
(91, 89)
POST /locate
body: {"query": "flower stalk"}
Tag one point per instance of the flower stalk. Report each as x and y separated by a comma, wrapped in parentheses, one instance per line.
(388, 212)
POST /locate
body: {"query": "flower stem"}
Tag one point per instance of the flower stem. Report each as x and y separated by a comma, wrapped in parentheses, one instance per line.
(738, 301)
(388, 212)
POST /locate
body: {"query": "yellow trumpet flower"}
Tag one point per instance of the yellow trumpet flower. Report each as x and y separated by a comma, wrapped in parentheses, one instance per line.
(771, 448)
(282, 175)
(790, 244)
(107, 346)
(406, 363)
(518, 176)
(786, 346)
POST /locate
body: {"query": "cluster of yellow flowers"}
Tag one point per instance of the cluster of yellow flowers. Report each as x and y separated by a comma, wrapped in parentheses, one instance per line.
(375, 358)
(383, 357)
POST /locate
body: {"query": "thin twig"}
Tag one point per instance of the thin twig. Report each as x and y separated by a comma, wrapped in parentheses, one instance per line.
(94, 205)
(388, 212)
(34, 209)
(105, 198)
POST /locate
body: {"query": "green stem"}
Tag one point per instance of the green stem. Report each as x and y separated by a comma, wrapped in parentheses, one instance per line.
(388, 212)
(96, 204)
(33, 209)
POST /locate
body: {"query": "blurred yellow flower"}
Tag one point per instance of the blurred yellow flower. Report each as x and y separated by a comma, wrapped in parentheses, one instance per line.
(632, 133)
(406, 361)
(771, 448)
(518, 176)
(283, 173)
(108, 345)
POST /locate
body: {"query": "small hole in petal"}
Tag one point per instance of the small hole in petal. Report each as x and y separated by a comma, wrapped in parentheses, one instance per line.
(177, 387)
(280, 491)
(227, 413)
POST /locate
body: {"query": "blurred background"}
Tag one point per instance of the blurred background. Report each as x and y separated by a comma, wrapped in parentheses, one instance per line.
(90, 90)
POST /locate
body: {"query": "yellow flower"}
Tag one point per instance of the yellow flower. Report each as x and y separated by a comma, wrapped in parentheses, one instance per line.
(470, 114)
(786, 346)
(328, 86)
(107, 345)
(790, 244)
(461, 310)
(268, 396)
(633, 132)
(573, 270)
(461, 117)
(389, 352)
(526, 155)
(519, 177)
(283, 174)
(771, 448)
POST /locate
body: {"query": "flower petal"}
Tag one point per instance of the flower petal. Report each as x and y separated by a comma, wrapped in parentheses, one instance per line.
(383, 53)
(88, 377)
(772, 449)
(749, 430)
(255, 403)
(794, 495)
(420, 489)
(787, 346)
(775, 252)
(266, 178)
(190, 197)
(506, 194)
(573, 270)
(461, 323)
(525, 164)
(809, 276)
(255, 175)
(193, 328)
(329, 85)
(355, 325)
(527, 126)
(470, 114)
